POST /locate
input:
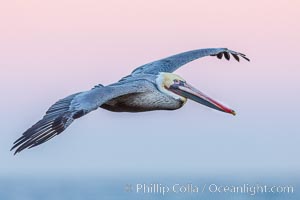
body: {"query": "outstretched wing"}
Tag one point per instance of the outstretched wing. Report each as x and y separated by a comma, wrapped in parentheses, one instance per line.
(60, 115)
(172, 63)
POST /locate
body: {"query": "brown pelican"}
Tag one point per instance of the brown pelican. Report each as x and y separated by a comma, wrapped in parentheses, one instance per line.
(149, 87)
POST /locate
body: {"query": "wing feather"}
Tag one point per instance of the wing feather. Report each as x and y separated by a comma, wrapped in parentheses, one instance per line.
(60, 115)
(172, 63)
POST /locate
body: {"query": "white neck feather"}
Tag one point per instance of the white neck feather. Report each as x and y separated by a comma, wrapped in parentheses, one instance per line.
(161, 80)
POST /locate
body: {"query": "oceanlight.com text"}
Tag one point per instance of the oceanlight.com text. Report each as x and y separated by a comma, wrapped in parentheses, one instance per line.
(177, 188)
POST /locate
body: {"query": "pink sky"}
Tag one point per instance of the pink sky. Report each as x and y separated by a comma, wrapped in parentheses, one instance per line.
(81, 44)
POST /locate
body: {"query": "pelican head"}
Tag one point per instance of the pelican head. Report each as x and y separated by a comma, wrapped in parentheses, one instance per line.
(176, 87)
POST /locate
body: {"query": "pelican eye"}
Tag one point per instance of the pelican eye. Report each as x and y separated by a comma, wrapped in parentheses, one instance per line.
(179, 82)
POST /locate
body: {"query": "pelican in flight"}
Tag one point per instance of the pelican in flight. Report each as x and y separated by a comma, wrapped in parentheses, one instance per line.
(149, 87)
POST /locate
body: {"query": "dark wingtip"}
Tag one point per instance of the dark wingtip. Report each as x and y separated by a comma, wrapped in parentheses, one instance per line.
(14, 147)
(227, 55)
(235, 57)
(18, 142)
(220, 55)
(16, 151)
(243, 56)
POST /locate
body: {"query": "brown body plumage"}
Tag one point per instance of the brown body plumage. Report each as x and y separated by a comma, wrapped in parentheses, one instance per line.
(141, 102)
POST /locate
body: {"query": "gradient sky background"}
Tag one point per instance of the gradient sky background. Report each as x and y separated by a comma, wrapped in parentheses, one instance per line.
(51, 49)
